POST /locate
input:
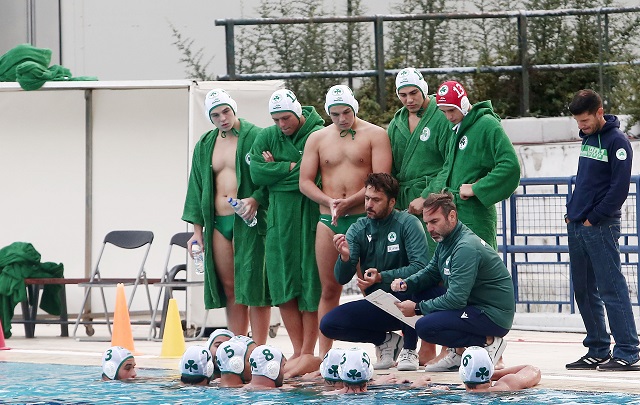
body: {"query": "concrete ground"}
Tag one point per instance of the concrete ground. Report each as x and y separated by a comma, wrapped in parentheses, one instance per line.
(547, 350)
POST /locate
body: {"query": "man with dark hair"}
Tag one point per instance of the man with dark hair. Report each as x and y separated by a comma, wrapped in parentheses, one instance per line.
(476, 305)
(387, 244)
(593, 226)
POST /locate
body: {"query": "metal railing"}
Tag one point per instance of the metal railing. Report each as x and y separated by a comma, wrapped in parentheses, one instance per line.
(521, 17)
(534, 243)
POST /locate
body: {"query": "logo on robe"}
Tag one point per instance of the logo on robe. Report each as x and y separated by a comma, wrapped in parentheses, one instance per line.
(392, 237)
(247, 159)
(425, 135)
(463, 142)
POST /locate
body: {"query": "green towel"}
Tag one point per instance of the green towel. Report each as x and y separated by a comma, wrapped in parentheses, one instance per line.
(18, 261)
(29, 66)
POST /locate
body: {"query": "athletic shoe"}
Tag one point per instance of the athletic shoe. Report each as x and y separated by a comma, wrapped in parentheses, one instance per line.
(388, 351)
(496, 348)
(587, 363)
(450, 362)
(616, 364)
(408, 360)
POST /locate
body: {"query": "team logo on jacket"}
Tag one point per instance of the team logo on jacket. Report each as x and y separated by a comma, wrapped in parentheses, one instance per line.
(247, 159)
(392, 237)
(425, 135)
(446, 270)
(621, 154)
(463, 142)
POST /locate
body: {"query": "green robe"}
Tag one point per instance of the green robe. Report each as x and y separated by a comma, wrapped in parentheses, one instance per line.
(419, 156)
(250, 277)
(292, 217)
(481, 154)
(18, 261)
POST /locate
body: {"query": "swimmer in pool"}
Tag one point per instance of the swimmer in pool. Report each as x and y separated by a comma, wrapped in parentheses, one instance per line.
(118, 364)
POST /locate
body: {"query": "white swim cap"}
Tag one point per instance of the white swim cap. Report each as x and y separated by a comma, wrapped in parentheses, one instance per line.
(216, 98)
(476, 366)
(196, 362)
(341, 95)
(411, 77)
(355, 367)
(217, 333)
(230, 357)
(284, 100)
(242, 339)
(112, 359)
(265, 361)
(330, 363)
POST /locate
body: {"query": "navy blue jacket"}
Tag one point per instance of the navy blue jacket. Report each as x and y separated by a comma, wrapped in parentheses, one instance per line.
(602, 183)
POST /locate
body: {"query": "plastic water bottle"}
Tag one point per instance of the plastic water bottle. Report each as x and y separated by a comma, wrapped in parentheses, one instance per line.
(198, 259)
(238, 207)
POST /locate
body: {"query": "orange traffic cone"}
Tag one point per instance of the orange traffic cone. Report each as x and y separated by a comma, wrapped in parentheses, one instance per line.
(122, 335)
(2, 346)
(173, 345)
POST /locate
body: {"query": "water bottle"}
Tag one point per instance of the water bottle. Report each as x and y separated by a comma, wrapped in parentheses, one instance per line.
(238, 207)
(198, 259)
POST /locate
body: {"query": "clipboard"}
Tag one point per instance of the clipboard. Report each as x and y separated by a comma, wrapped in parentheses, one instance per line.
(386, 302)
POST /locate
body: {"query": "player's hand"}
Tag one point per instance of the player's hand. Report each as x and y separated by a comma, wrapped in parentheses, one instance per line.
(267, 156)
(371, 277)
(415, 206)
(250, 208)
(466, 191)
(408, 307)
(398, 285)
(339, 208)
(198, 238)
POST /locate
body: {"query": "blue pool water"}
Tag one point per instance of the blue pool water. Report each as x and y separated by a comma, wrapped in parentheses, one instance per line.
(24, 383)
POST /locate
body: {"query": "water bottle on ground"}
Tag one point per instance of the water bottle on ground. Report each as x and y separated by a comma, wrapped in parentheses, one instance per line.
(238, 207)
(198, 259)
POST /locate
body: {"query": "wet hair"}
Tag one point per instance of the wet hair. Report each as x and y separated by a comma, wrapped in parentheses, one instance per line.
(585, 101)
(194, 379)
(383, 182)
(443, 199)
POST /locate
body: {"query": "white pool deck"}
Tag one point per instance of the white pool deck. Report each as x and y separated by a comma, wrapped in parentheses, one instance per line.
(547, 350)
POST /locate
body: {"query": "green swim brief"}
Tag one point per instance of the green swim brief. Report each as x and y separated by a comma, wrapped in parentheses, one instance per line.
(343, 222)
(224, 225)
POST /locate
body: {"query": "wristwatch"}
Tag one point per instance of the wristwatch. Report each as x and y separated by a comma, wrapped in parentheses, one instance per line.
(417, 309)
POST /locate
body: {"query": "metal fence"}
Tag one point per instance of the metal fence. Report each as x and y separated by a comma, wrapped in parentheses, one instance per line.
(518, 18)
(534, 244)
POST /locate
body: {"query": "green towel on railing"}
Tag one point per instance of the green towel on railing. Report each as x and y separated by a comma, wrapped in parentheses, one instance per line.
(29, 66)
(18, 261)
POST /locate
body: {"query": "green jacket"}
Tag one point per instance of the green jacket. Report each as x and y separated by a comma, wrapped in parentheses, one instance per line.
(292, 217)
(396, 246)
(473, 274)
(419, 156)
(199, 209)
(481, 154)
(18, 261)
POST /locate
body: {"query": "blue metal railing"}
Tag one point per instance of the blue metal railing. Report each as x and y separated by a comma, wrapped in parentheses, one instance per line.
(532, 239)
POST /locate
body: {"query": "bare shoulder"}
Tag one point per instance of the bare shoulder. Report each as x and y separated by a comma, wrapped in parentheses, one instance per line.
(366, 126)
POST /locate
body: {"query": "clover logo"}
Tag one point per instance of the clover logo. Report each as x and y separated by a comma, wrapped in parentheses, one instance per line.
(353, 374)
(333, 370)
(404, 73)
(443, 90)
(482, 373)
(337, 91)
(191, 366)
(276, 98)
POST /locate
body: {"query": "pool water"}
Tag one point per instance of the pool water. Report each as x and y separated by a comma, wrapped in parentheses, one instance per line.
(25, 383)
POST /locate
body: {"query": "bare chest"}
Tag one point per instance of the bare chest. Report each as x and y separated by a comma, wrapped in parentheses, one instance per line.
(345, 152)
(224, 154)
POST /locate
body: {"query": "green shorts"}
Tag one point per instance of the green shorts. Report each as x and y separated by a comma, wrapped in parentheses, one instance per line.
(224, 225)
(343, 222)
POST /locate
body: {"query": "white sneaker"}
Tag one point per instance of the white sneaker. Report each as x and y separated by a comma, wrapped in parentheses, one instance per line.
(388, 351)
(408, 360)
(450, 362)
(496, 349)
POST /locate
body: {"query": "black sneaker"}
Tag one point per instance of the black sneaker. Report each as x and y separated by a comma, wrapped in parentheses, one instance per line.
(587, 363)
(616, 364)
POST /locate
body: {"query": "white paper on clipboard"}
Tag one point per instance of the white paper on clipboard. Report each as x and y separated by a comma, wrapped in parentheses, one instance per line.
(386, 302)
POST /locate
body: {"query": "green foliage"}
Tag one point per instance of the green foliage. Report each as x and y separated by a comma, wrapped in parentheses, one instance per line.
(439, 43)
(195, 68)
